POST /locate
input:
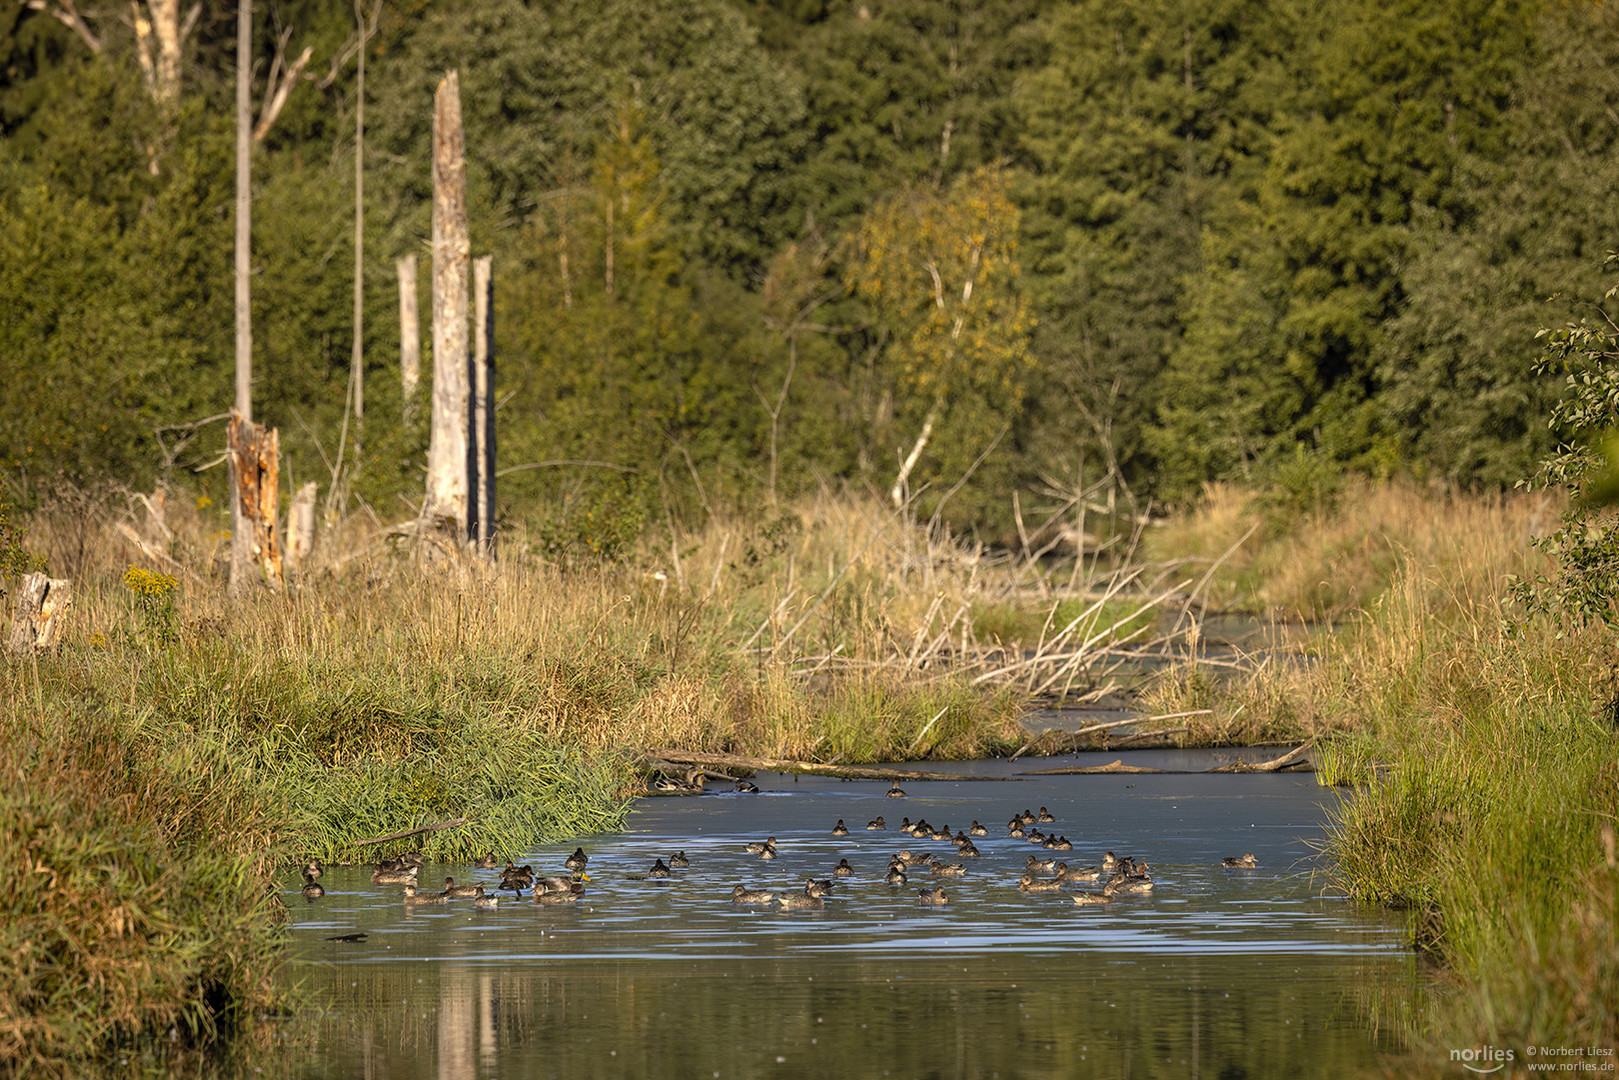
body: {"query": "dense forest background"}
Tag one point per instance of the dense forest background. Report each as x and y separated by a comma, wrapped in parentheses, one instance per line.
(742, 249)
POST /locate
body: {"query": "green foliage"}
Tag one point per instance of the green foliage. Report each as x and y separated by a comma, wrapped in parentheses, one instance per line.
(1585, 587)
(14, 558)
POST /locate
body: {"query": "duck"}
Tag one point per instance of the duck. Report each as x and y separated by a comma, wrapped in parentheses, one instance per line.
(960, 838)
(312, 889)
(1076, 873)
(380, 876)
(920, 858)
(1085, 898)
(567, 896)
(1109, 862)
(840, 829)
(933, 896)
(576, 861)
(817, 888)
(801, 902)
(755, 847)
(658, 870)
(741, 894)
(968, 851)
(574, 884)
(843, 869)
(1062, 843)
(1028, 883)
(414, 898)
(1027, 817)
(485, 900)
(487, 862)
(1034, 836)
(518, 876)
(895, 791)
(949, 869)
(876, 825)
(314, 869)
(1128, 885)
(460, 892)
(895, 876)
(1015, 823)
(977, 829)
(746, 787)
(768, 853)
(1241, 862)
(1015, 831)
(678, 861)
(1044, 815)
(1032, 865)
(942, 833)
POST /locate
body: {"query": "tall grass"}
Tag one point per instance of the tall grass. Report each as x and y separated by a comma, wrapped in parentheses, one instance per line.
(1481, 742)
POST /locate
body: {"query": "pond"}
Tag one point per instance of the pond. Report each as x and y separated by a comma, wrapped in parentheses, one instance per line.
(1218, 973)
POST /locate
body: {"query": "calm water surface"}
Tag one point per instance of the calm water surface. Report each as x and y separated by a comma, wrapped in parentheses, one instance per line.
(1219, 973)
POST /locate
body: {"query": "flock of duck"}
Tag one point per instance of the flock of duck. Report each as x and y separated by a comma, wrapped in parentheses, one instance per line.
(1120, 876)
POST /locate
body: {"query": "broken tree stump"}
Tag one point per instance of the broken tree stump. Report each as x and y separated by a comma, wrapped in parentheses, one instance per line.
(39, 614)
(255, 453)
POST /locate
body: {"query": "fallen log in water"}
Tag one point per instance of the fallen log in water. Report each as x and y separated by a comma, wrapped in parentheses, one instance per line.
(846, 772)
(1293, 761)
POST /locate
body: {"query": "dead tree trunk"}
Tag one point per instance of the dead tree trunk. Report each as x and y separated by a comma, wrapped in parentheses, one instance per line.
(255, 453)
(301, 527)
(483, 414)
(241, 549)
(410, 338)
(448, 488)
(357, 360)
(37, 622)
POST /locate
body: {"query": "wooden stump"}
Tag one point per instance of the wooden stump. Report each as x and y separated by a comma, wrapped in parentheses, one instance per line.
(41, 604)
(255, 453)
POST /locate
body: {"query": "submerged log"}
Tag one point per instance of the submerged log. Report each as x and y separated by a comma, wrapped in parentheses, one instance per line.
(846, 772)
(37, 622)
(1291, 758)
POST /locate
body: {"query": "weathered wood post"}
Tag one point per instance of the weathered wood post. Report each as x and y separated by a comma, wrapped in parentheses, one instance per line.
(255, 453)
(301, 526)
(38, 618)
(410, 338)
(483, 395)
(448, 486)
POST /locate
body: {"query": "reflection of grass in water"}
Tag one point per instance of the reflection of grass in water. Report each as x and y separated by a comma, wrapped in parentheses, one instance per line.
(1076, 1014)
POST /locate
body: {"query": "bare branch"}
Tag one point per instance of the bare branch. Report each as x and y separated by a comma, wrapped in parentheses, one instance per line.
(68, 15)
(351, 48)
(272, 108)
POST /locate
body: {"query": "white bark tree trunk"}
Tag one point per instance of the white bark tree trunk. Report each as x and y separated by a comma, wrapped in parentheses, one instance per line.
(447, 454)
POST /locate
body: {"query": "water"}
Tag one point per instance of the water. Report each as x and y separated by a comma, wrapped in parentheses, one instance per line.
(1219, 973)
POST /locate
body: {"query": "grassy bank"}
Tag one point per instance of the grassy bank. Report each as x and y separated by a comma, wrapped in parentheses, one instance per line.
(179, 750)
(1480, 741)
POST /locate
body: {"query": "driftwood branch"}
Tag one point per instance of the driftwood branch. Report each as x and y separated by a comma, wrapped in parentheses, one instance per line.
(1293, 758)
(847, 772)
(453, 823)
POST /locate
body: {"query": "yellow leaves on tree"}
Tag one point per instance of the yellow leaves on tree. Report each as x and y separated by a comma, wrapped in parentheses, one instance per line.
(941, 268)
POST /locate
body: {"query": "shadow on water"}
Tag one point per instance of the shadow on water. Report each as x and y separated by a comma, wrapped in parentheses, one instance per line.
(1218, 973)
